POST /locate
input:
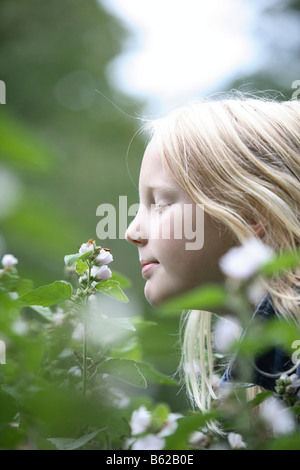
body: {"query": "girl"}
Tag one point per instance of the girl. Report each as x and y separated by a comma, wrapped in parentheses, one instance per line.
(238, 158)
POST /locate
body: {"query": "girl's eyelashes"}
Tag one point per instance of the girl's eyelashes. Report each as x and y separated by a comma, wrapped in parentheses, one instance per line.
(160, 206)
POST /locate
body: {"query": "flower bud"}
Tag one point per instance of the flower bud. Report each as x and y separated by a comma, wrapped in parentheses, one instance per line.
(104, 257)
(101, 274)
(86, 247)
(9, 261)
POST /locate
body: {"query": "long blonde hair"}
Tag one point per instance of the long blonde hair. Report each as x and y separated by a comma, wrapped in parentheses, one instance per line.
(240, 157)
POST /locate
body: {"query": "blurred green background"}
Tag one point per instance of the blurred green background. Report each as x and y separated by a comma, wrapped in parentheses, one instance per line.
(64, 146)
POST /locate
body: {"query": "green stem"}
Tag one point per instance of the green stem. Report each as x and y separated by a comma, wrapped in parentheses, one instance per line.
(85, 325)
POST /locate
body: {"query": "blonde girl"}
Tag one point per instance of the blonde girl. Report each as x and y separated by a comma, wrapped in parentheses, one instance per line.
(239, 159)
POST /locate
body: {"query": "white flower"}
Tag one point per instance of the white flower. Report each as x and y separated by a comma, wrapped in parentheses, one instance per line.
(278, 416)
(196, 437)
(226, 332)
(236, 441)
(255, 292)
(149, 442)
(86, 247)
(8, 261)
(78, 332)
(283, 377)
(76, 371)
(295, 381)
(243, 261)
(101, 274)
(169, 425)
(58, 318)
(20, 327)
(13, 295)
(140, 420)
(104, 257)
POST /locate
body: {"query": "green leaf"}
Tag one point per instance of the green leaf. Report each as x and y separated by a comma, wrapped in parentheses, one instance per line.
(160, 414)
(260, 397)
(44, 312)
(125, 370)
(185, 426)
(290, 442)
(45, 296)
(24, 286)
(281, 262)
(153, 375)
(112, 289)
(119, 322)
(81, 266)
(261, 337)
(121, 279)
(203, 298)
(72, 444)
(71, 259)
(139, 322)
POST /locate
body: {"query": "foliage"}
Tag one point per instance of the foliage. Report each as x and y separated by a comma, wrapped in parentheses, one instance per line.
(73, 378)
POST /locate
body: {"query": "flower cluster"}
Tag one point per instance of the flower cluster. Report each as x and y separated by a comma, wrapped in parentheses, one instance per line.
(149, 431)
(98, 258)
(288, 389)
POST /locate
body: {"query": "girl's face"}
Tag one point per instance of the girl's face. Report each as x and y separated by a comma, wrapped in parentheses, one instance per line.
(162, 230)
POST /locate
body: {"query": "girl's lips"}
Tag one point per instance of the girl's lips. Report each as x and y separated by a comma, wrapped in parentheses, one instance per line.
(147, 266)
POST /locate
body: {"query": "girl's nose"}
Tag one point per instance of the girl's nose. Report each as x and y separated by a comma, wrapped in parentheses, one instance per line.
(135, 234)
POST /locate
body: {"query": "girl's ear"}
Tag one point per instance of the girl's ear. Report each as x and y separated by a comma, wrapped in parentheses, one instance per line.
(258, 228)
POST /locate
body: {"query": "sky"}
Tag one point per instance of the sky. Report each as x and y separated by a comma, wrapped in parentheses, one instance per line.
(180, 49)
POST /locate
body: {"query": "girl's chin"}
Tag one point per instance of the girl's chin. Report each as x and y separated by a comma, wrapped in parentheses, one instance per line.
(153, 295)
(156, 295)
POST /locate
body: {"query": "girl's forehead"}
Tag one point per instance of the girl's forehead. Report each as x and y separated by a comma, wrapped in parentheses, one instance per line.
(154, 169)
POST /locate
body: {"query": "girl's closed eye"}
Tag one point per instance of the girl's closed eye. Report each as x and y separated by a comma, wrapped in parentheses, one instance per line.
(160, 206)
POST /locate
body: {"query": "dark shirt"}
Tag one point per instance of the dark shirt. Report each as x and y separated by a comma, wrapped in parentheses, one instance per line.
(267, 367)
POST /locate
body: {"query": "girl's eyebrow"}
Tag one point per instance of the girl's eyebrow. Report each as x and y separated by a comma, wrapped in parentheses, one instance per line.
(165, 187)
(160, 185)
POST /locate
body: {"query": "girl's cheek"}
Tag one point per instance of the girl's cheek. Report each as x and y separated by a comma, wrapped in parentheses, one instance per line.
(171, 224)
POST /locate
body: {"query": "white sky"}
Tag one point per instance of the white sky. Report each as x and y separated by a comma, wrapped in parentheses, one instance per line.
(180, 49)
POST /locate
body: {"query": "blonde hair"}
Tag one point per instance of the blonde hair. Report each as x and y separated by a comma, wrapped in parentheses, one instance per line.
(240, 157)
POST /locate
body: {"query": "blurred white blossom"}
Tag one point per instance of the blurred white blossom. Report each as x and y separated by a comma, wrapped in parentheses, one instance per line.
(140, 420)
(13, 295)
(243, 261)
(78, 332)
(58, 317)
(20, 327)
(197, 437)
(75, 371)
(149, 442)
(255, 292)
(236, 441)
(295, 381)
(226, 332)
(278, 416)
(169, 425)
(9, 261)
